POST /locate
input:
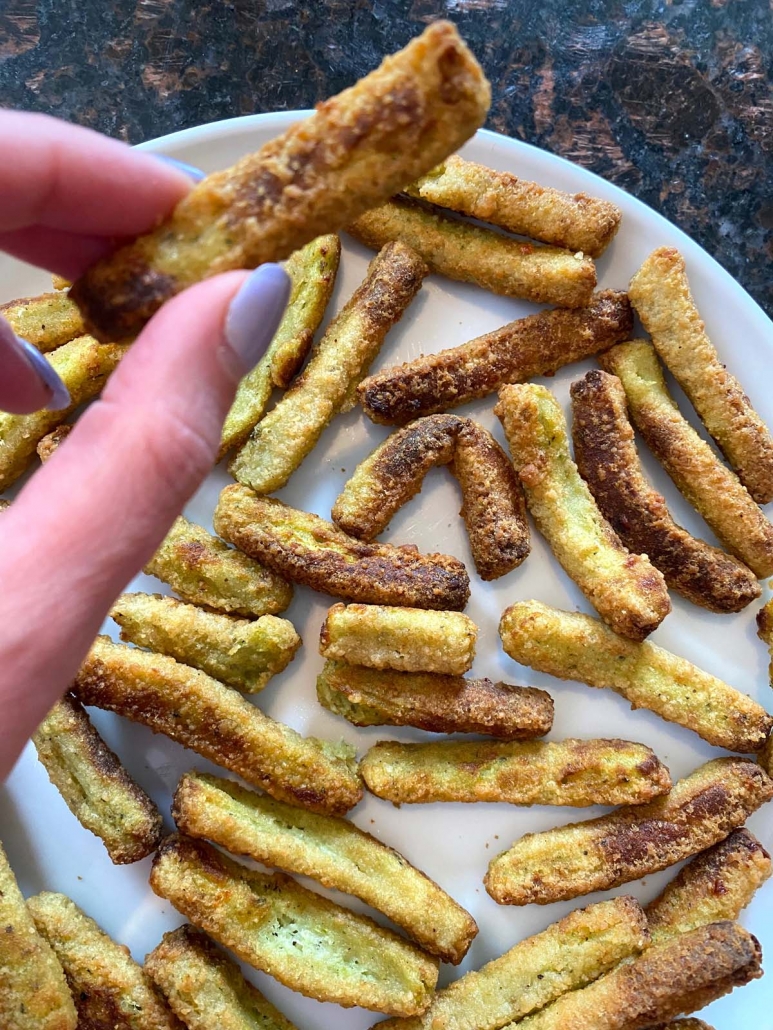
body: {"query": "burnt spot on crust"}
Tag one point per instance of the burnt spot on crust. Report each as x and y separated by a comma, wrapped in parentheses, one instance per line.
(124, 307)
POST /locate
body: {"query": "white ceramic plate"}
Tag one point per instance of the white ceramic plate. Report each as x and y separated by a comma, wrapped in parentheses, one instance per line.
(452, 843)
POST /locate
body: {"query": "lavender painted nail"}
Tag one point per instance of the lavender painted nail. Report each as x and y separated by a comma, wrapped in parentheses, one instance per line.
(60, 395)
(255, 313)
(190, 170)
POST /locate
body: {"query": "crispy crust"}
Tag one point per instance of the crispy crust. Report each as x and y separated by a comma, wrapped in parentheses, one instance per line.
(352, 154)
(711, 488)
(626, 590)
(94, 785)
(46, 321)
(575, 221)
(440, 704)
(660, 292)
(567, 772)
(51, 441)
(290, 431)
(636, 840)
(605, 453)
(218, 723)
(303, 940)
(766, 756)
(765, 632)
(332, 851)
(493, 507)
(684, 1024)
(570, 645)
(471, 254)
(536, 345)
(307, 549)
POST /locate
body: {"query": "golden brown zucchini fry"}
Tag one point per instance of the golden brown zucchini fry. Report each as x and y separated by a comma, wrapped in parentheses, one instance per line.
(46, 321)
(109, 988)
(218, 723)
(471, 254)
(567, 955)
(332, 851)
(711, 488)
(290, 431)
(441, 704)
(33, 990)
(626, 590)
(353, 153)
(51, 441)
(605, 453)
(94, 785)
(205, 988)
(766, 756)
(566, 772)
(83, 365)
(660, 293)
(239, 652)
(579, 858)
(765, 632)
(536, 345)
(570, 645)
(406, 639)
(574, 221)
(306, 549)
(303, 940)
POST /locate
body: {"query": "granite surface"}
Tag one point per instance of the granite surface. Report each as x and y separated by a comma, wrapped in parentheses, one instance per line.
(671, 100)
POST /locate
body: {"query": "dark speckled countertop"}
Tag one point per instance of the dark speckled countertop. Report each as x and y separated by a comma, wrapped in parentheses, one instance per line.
(671, 100)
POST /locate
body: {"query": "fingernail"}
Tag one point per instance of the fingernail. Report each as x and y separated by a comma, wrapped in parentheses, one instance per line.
(255, 313)
(190, 170)
(60, 395)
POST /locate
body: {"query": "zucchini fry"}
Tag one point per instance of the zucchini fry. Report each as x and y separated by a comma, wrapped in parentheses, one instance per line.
(312, 271)
(684, 1024)
(353, 153)
(633, 841)
(332, 851)
(625, 589)
(567, 955)
(574, 221)
(306, 549)
(94, 785)
(567, 772)
(660, 293)
(109, 988)
(205, 988)
(33, 991)
(573, 646)
(711, 488)
(51, 441)
(303, 940)
(471, 254)
(765, 632)
(46, 321)
(605, 453)
(441, 704)
(219, 724)
(239, 652)
(536, 345)
(405, 639)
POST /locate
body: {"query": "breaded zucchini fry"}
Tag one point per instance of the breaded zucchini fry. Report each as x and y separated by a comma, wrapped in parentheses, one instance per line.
(306, 549)
(471, 254)
(441, 704)
(290, 431)
(51, 441)
(353, 153)
(46, 321)
(579, 858)
(94, 785)
(624, 588)
(567, 955)
(660, 293)
(765, 632)
(574, 221)
(218, 723)
(4, 504)
(712, 489)
(684, 1024)
(83, 365)
(766, 756)
(33, 990)
(567, 772)
(242, 653)
(205, 571)
(570, 645)
(405, 639)
(303, 940)
(493, 508)
(109, 988)
(605, 453)
(536, 345)
(312, 271)
(332, 851)
(205, 988)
